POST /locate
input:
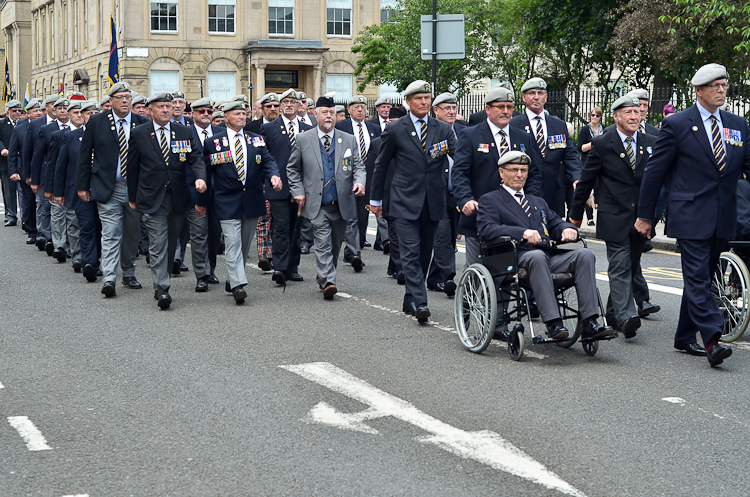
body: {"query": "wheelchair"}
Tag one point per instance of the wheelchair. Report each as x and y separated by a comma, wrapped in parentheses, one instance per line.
(498, 285)
(729, 288)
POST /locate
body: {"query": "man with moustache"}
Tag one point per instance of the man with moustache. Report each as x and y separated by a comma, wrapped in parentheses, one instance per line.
(270, 108)
(17, 168)
(302, 113)
(11, 191)
(383, 108)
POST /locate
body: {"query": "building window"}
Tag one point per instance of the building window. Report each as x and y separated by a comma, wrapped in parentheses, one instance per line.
(52, 34)
(281, 17)
(36, 39)
(221, 85)
(282, 79)
(221, 16)
(163, 16)
(167, 81)
(339, 16)
(85, 24)
(341, 84)
(44, 38)
(387, 9)
(65, 29)
(75, 25)
(101, 19)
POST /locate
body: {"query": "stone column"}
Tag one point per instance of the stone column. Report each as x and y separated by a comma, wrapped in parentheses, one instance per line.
(317, 76)
(260, 76)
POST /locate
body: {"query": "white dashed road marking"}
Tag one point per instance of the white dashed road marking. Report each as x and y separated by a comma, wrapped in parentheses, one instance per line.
(1, 386)
(683, 403)
(30, 433)
(485, 447)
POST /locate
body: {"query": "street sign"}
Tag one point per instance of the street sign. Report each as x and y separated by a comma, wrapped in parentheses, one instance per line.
(450, 37)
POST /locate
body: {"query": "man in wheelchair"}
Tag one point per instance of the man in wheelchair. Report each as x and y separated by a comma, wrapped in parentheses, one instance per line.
(535, 228)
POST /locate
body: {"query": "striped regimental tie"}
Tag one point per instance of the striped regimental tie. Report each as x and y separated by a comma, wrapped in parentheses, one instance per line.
(423, 133)
(717, 144)
(292, 137)
(123, 150)
(524, 203)
(540, 137)
(630, 152)
(327, 144)
(503, 143)
(164, 151)
(362, 144)
(239, 159)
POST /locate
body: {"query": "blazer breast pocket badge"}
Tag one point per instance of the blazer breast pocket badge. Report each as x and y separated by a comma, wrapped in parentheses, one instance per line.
(733, 137)
(438, 149)
(484, 148)
(258, 159)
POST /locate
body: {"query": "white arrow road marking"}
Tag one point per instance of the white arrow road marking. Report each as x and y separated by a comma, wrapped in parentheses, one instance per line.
(30, 433)
(485, 447)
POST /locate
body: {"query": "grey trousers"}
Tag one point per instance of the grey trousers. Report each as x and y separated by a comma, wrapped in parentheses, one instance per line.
(58, 228)
(120, 233)
(351, 237)
(11, 193)
(541, 264)
(625, 276)
(329, 229)
(73, 232)
(164, 228)
(42, 216)
(472, 250)
(382, 230)
(199, 242)
(238, 235)
(443, 265)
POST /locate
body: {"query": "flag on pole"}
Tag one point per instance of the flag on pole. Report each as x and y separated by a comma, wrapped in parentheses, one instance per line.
(7, 95)
(114, 60)
(26, 97)
(61, 91)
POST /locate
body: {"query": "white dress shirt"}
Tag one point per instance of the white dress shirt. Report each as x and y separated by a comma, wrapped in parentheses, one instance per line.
(232, 136)
(706, 118)
(513, 193)
(365, 133)
(201, 130)
(533, 121)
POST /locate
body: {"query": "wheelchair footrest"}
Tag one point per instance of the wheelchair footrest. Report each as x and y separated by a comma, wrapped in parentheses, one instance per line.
(541, 339)
(595, 339)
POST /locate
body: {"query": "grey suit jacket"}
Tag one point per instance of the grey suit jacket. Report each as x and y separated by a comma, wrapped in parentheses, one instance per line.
(305, 172)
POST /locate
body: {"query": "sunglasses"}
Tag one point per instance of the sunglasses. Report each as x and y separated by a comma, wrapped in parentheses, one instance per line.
(271, 106)
(596, 115)
(202, 111)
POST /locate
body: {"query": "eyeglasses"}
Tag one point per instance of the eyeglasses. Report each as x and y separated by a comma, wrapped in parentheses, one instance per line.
(516, 170)
(448, 108)
(121, 98)
(503, 106)
(718, 86)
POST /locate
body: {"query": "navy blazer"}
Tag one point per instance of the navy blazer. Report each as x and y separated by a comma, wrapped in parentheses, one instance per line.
(417, 176)
(475, 170)
(278, 144)
(6, 129)
(618, 186)
(15, 158)
(40, 157)
(232, 199)
(501, 215)
(702, 199)
(65, 169)
(29, 144)
(199, 198)
(347, 125)
(556, 161)
(54, 149)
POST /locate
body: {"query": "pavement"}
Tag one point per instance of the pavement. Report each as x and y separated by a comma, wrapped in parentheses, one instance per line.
(293, 395)
(659, 241)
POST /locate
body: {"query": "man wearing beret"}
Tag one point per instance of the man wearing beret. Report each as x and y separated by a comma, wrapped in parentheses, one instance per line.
(17, 169)
(280, 137)
(102, 178)
(158, 155)
(703, 151)
(419, 146)
(527, 219)
(302, 112)
(616, 162)
(270, 107)
(559, 154)
(11, 191)
(383, 108)
(178, 109)
(365, 133)
(475, 169)
(238, 162)
(88, 225)
(139, 105)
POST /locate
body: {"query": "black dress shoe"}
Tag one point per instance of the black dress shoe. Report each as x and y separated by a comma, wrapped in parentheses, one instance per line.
(156, 294)
(533, 310)
(450, 288)
(555, 329)
(630, 325)
(201, 286)
(40, 243)
(99, 271)
(400, 278)
(501, 332)
(423, 313)
(386, 247)
(436, 287)
(176, 267)
(357, 263)
(592, 329)
(239, 294)
(31, 240)
(59, 254)
(329, 291)
(131, 282)
(264, 264)
(77, 265)
(718, 353)
(366, 244)
(10, 223)
(347, 258)
(164, 300)
(109, 289)
(295, 277)
(692, 349)
(645, 308)
(410, 308)
(377, 246)
(183, 267)
(227, 288)
(211, 279)
(49, 248)
(304, 249)
(278, 277)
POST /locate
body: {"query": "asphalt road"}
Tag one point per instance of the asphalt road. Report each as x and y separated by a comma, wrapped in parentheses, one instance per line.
(293, 395)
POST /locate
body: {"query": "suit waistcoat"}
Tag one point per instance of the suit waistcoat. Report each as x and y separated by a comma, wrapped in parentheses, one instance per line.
(329, 173)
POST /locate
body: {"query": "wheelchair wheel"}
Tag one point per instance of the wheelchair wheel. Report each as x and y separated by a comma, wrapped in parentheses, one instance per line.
(475, 308)
(590, 347)
(516, 344)
(730, 290)
(568, 303)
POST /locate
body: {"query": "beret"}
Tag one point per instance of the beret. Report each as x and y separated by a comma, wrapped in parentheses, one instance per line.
(75, 104)
(216, 114)
(203, 102)
(104, 100)
(505, 84)
(444, 98)
(310, 102)
(340, 108)
(34, 103)
(140, 99)
(269, 97)
(51, 99)
(290, 93)
(709, 73)
(327, 101)
(383, 101)
(396, 112)
(90, 105)
(627, 100)
(534, 84)
(134, 93)
(514, 157)
(238, 98)
(177, 94)
(499, 94)
(302, 95)
(640, 94)
(118, 87)
(13, 104)
(62, 102)
(418, 86)
(162, 96)
(233, 105)
(219, 103)
(356, 99)
(76, 95)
